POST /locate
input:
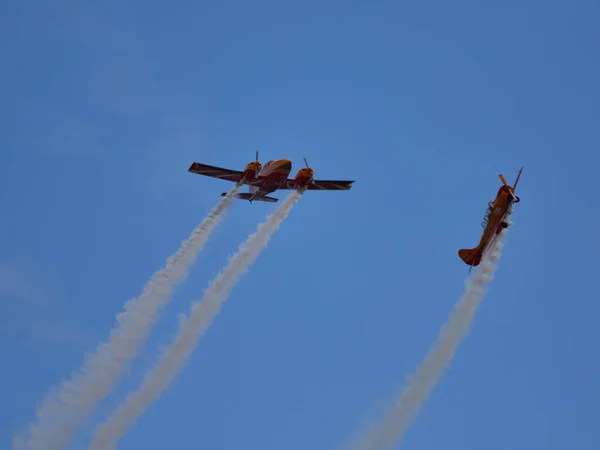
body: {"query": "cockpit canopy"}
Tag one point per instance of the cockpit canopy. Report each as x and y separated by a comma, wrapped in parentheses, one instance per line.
(488, 213)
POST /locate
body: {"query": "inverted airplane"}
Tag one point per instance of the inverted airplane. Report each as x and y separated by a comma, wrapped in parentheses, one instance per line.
(493, 222)
(270, 178)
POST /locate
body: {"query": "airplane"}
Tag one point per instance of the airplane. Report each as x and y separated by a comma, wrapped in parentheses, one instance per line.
(270, 178)
(494, 221)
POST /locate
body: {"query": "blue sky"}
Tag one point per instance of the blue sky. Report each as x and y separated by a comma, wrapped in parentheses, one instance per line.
(106, 106)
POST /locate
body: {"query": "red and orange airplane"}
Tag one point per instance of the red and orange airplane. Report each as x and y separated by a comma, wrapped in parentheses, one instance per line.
(493, 222)
(270, 178)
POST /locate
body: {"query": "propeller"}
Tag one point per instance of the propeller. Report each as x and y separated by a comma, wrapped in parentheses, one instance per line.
(256, 165)
(308, 167)
(510, 191)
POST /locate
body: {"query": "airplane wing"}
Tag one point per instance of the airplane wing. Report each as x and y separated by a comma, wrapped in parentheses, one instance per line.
(322, 185)
(330, 185)
(216, 172)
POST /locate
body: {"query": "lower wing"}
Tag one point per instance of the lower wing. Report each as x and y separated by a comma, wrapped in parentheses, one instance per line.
(321, 185)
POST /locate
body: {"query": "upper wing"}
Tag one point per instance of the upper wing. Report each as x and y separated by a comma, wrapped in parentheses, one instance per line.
(216, 172)
(321, 185)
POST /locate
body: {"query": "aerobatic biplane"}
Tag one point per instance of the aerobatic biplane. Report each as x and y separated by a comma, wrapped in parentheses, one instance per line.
(493, 222)
(270, 178)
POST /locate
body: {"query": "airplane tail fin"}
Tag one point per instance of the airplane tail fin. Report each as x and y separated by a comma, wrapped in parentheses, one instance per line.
(471, 257)
(249, 196)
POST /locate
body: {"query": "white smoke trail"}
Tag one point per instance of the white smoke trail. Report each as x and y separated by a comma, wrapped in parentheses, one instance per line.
(399, 417)
(171, 362)
(65, 407)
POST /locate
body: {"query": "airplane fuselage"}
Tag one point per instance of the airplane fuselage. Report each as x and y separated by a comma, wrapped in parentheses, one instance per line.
(275, 174)
(495, 220)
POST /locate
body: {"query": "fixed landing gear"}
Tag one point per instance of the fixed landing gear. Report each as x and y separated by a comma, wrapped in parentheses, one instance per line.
(503, 225)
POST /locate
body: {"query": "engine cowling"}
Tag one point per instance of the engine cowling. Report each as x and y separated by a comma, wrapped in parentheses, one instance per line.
(251, 170)
(304, 177)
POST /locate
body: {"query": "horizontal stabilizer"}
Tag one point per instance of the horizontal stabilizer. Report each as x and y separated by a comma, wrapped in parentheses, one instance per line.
(248, 196)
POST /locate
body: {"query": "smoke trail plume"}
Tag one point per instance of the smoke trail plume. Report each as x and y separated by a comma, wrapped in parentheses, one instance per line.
(399, 417)
(66, 407)
(171, 362)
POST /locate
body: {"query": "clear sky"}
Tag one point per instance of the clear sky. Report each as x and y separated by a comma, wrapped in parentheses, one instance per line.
(105, 106)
